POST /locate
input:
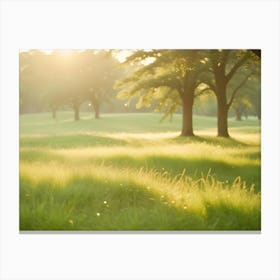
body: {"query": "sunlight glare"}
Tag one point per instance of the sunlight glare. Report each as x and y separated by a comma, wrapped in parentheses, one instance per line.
(66, 53)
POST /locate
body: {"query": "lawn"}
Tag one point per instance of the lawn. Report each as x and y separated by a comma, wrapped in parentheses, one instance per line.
(133, 172)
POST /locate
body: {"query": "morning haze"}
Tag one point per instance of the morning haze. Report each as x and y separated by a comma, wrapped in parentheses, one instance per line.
(157, 139)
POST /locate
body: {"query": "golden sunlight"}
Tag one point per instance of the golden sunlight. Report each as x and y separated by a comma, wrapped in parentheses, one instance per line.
(66, 53)
(121, 55)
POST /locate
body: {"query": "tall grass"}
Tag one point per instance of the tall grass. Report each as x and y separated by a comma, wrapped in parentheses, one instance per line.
(109, 176)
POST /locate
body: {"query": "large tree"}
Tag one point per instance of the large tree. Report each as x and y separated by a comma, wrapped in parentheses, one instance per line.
(167, 77)
(54, 85)
(223, 66)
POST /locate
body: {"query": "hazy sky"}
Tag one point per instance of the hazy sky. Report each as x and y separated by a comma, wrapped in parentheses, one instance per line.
(119, 54)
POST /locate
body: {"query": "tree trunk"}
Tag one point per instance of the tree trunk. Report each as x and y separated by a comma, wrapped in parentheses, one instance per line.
(96, 107)
(238, 114)
(222, 106)
(222, 118)
(187, 128)
(76, 108)
(54, 113)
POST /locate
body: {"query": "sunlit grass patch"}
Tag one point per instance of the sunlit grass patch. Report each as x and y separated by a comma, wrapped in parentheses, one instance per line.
(225, 162)
(241, 155)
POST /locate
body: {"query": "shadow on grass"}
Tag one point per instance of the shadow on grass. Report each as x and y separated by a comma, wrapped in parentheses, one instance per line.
(212, 140)
(86, 203)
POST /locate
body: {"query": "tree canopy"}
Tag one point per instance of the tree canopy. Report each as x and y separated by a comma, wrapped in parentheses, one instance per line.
(172, 78)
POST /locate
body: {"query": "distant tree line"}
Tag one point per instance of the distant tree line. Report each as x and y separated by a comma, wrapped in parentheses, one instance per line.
(215, 81)
(66, 80)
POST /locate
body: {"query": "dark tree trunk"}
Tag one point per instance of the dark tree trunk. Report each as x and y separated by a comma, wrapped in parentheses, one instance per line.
(221, 81)
(187, 128)
(222, 110)
(222, 118)
(96, 107)
(76, 108)
(222, 106)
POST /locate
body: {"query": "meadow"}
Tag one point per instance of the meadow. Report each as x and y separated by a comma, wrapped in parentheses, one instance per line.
(133, 172)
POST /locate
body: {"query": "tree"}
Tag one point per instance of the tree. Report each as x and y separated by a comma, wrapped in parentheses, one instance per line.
(224, 64)
(246, 96)
(42, 82)
(31, 81)
(54, 84)
(68, 81)
(254, 90)
(99, 75)
(170, 77)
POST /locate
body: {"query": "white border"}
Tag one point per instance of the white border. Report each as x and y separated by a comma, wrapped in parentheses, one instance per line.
(124, 24)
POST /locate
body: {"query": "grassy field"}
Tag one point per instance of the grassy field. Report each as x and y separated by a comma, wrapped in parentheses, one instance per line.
(133, 172)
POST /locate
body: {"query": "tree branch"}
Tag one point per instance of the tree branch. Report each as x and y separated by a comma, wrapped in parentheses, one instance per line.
(225, 57)
(211, 86)
(238, 87)
(204, 91)
(236, 66)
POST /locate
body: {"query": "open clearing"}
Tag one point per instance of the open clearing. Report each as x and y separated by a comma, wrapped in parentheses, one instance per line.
(133, 172)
